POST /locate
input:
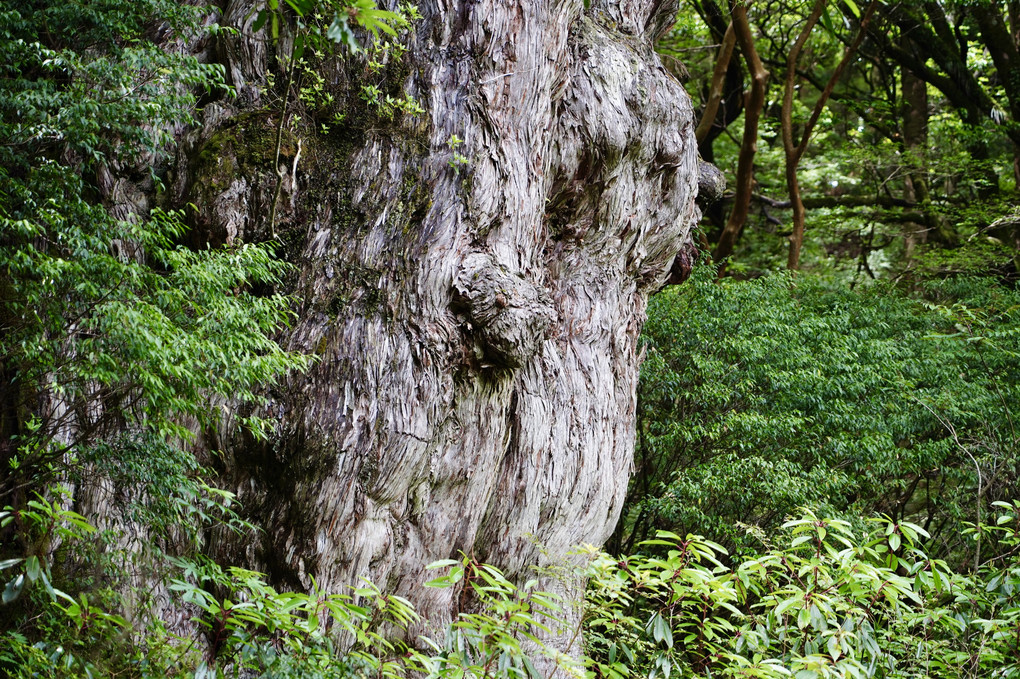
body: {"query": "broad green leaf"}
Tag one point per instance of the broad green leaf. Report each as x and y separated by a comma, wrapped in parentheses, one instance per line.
(13, 589)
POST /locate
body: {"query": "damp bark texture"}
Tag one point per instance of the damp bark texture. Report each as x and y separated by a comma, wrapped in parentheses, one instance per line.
(476, 323)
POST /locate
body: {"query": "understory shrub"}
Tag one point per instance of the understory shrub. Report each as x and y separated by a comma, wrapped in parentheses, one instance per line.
(760, 396)
(823, 600)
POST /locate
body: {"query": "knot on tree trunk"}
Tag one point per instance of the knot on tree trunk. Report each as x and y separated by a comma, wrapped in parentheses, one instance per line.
(506, 316)
(711, 184)
(682, 266)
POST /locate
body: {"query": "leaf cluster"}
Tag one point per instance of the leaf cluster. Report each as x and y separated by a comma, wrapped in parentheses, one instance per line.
(831, 602)
(760, 396)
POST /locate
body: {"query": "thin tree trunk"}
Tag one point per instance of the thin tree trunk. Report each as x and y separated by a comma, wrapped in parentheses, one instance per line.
(914, 123)
(722, 64)
(753, 106)
(1014, 28)
(915, 135)
(790, 147)
(1001, 35)
(794, 153)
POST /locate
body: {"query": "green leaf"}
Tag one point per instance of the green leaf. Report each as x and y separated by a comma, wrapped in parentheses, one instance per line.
(894, 541)
(531, 669)
(260, 20)
(826, 21)
(32, 568)
(803, 618)
(340, 32)
(302, 8)
(13, 589)
(834, 648)
(376, 20)
(788, 603)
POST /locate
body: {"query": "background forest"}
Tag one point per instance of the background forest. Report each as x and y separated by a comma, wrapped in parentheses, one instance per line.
(831, 399)
(881, 376)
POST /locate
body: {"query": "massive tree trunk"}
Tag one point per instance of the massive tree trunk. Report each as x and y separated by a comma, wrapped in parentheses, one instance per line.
(476, 324)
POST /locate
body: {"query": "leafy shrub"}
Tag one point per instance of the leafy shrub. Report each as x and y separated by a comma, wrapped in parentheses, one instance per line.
(248, 628)
(760, 396)
(116, 342)
(831, 602)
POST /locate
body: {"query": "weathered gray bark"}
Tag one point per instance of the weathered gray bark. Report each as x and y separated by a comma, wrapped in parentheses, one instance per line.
(476, 327)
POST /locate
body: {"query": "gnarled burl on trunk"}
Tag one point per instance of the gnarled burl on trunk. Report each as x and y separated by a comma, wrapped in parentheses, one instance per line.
(476, 323)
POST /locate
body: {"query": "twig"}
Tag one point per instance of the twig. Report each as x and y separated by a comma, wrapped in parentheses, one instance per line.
(279, 143)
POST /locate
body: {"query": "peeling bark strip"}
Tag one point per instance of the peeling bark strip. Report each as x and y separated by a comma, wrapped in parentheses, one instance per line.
(477, 329)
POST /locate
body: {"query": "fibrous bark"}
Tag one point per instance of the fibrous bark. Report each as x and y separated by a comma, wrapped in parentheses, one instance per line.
(476, 324)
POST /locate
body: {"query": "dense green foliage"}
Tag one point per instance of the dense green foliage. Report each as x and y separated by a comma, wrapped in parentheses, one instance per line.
(883, 380)
(761, 396)
(823, 600)
(112, 332)
(117, 343)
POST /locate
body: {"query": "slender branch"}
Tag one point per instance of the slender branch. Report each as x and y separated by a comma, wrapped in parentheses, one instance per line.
(851, 50)
(722, 64)
(792, 152)
(980, 481)
(749, 144)
(834, 201)
(279, 143)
